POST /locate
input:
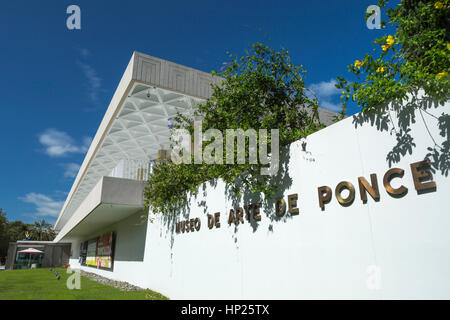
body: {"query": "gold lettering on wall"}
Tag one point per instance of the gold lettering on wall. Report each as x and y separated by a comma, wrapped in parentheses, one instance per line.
(388, 176)
(351, 196)
(231, 217)
(256, 215)
(422, 177)
(364, 187)
(247, 212)
(421, 172)
(197, 224)
(217, 219)
(239, 215)
(188, 225)
(324, 196)
(280, 207)
(210, 221)
(292, 204)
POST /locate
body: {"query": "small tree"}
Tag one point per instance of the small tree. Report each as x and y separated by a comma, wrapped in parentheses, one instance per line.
(16, 230)
(262, 89)
(410, 67)
(42, 231)
(416, 57)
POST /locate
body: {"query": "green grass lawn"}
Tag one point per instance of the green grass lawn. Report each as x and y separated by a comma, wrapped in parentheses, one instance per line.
(41, 284)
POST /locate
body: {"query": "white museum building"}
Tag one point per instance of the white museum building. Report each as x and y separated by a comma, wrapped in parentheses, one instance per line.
(359, 217)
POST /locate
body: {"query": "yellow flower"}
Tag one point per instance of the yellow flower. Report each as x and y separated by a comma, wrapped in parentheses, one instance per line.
(385, 47)
(380, 69)
(438, 5)
(358, 64)
(448, 46)
(441, 74)
(390, 40)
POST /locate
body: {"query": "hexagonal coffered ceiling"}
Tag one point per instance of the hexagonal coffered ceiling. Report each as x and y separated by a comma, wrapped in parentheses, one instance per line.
(137, 133)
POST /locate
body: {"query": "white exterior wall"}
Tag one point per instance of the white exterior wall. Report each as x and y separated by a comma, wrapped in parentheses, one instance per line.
(317, 254)
(129, 250)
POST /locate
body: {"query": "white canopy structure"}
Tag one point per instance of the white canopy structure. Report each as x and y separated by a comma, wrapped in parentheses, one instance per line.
(30, 250)
(135, 125)
(133, 130)
(378, 243)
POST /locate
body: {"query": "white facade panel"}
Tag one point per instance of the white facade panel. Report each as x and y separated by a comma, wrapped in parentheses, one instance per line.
(396, 248)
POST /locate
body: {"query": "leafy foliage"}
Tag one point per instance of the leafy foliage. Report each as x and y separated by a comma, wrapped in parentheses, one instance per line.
(42, 231)
(409, 72)
(17, 230)
(416, 57)
(12, 231)
(262, 89)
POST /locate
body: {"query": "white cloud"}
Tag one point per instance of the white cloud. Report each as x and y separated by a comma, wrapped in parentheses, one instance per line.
(45, 205)
(336, 107)
(71, 170)
(326, 92)
(84, 52)
(325, 89)
(94, 81)
(59, 143)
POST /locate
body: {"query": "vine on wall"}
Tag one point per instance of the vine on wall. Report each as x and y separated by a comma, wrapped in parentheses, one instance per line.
(262, 89)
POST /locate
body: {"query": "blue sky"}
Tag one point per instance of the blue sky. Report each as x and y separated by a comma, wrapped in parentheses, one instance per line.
(56, 83)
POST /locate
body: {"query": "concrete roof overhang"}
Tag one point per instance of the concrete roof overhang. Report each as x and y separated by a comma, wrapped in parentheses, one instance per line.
(135, 125)
(111, 200)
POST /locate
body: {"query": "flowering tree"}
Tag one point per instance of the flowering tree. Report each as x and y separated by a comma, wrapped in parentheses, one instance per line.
(409, 71)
